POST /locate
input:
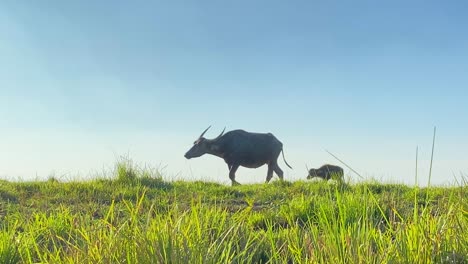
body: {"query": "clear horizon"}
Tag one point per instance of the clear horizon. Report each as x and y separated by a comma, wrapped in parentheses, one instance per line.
(84, 83)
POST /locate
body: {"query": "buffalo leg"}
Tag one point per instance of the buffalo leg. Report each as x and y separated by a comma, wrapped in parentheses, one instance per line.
(269, 173)
(278, 170)
(232, 174)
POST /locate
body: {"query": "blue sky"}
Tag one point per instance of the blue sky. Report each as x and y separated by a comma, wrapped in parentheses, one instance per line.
(83, 83)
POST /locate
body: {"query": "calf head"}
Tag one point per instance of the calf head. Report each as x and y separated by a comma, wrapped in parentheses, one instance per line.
(201, 146)
(312, 173)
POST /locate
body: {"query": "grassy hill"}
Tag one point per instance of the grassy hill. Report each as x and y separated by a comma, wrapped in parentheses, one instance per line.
(136, 217)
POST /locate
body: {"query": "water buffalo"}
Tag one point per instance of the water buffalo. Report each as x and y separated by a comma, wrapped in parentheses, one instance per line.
(326, 172)
(241, 148)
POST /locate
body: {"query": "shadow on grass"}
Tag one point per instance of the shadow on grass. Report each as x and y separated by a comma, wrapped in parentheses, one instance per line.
(8, 196)
(155, 183)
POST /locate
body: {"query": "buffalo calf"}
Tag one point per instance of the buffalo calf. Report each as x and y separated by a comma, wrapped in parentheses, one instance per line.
(326, 172)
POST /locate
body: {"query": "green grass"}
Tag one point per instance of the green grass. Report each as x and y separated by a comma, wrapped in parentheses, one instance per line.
(136, 217)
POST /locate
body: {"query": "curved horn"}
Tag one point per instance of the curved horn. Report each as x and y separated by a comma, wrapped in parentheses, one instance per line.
(220, 134)
(307, 167)
(204, 132)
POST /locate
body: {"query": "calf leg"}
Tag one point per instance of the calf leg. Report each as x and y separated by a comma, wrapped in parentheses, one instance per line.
(232, 174)
(269, 173)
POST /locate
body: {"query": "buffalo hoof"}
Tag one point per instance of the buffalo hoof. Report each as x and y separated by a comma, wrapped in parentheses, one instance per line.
(234, 183)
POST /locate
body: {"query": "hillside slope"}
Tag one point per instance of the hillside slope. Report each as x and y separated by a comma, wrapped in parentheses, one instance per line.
(136, 217)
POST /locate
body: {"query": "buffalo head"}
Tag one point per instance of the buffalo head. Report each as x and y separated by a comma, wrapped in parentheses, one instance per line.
(201, 145)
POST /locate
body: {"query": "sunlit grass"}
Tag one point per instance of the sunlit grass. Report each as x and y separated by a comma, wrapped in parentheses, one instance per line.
(136, 217)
